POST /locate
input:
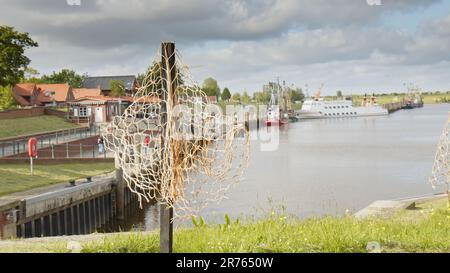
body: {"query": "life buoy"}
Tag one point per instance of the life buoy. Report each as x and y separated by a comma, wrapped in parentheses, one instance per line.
(32, 147)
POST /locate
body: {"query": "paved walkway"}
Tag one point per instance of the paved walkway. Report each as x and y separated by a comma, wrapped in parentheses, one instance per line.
(386, 208)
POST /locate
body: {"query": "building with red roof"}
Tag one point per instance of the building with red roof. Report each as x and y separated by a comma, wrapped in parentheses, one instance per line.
(30, 94)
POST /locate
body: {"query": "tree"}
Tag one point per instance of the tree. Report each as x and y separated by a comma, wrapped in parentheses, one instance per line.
(211, 88)
(117, 88)
(236, 97)
(245, 99)
(154, 84)
(30, 73)
(65, 76)
(339, 94)
(226, 94)
(7, 100)
(297, 95)
(262, 97)
(13, 62)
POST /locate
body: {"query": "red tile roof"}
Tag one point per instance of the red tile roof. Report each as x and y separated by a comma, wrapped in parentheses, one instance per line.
(24, 89)
(20, 91)
(53, 92)
(79, 93)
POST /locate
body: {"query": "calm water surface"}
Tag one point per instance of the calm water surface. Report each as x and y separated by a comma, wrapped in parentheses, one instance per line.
(325, 167)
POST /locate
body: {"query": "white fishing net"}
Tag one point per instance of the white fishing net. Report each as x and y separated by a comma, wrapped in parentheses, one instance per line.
(173, 146)
(441, 171)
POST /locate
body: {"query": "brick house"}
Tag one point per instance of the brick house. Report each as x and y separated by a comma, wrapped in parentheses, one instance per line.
(100, 109)
(96, 109)
(54, 94)
(30, 94)
(25, 94)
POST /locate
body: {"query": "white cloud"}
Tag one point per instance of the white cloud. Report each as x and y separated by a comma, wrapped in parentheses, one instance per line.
(241, 43)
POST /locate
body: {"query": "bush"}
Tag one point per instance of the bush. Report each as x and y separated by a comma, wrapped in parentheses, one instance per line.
(7, 100)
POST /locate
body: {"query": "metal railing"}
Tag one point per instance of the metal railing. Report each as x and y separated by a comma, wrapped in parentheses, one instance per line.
(68, 151)
(20, 146)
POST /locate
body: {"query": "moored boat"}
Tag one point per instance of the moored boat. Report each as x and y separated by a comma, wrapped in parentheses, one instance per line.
(318, 108)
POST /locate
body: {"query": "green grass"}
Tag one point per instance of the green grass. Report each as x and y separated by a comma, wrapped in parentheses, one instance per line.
(34, 125)
(426, 229)
(17, 178)
(427, 99)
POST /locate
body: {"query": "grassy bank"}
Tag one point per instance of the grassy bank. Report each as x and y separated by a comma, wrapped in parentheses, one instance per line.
(427, 98)
(34, 125)
(426, 229)
(17, 177)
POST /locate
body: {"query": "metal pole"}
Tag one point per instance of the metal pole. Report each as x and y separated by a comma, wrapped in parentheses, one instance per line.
(67, 150)
(53, 151)
(169, 84)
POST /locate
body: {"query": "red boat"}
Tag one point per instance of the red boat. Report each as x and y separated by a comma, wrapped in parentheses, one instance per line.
(276, 122)
(273, 119)
(273, 115)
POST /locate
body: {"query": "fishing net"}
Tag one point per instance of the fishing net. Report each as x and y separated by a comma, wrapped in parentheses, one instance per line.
(172, 145)
(441, 171)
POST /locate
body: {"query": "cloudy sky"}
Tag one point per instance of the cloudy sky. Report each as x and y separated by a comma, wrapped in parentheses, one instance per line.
(348, 45)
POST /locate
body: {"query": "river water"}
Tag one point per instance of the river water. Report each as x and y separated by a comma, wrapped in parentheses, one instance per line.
(326, 167)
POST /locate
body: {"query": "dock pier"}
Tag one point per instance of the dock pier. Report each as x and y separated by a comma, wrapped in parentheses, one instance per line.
(394, 106)
(82, 208)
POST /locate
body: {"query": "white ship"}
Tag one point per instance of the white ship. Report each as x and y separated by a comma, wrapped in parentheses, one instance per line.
(318, 108)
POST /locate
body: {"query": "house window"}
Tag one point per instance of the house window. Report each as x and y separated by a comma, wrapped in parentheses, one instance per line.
(83, 111)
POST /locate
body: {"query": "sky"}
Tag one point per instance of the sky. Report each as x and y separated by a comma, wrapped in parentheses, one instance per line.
(356, 46)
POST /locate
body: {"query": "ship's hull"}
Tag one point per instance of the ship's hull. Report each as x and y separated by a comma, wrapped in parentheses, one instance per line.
(412, 106)
(315, 115)
(362, 112)
(276, 122)
(320, 109)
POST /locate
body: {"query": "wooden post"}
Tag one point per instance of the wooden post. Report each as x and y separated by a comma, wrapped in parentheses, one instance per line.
(31, 165)
(168, 102)
(120, 195)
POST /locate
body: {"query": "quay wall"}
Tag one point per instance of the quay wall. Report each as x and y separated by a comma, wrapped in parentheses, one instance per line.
(82, 207)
